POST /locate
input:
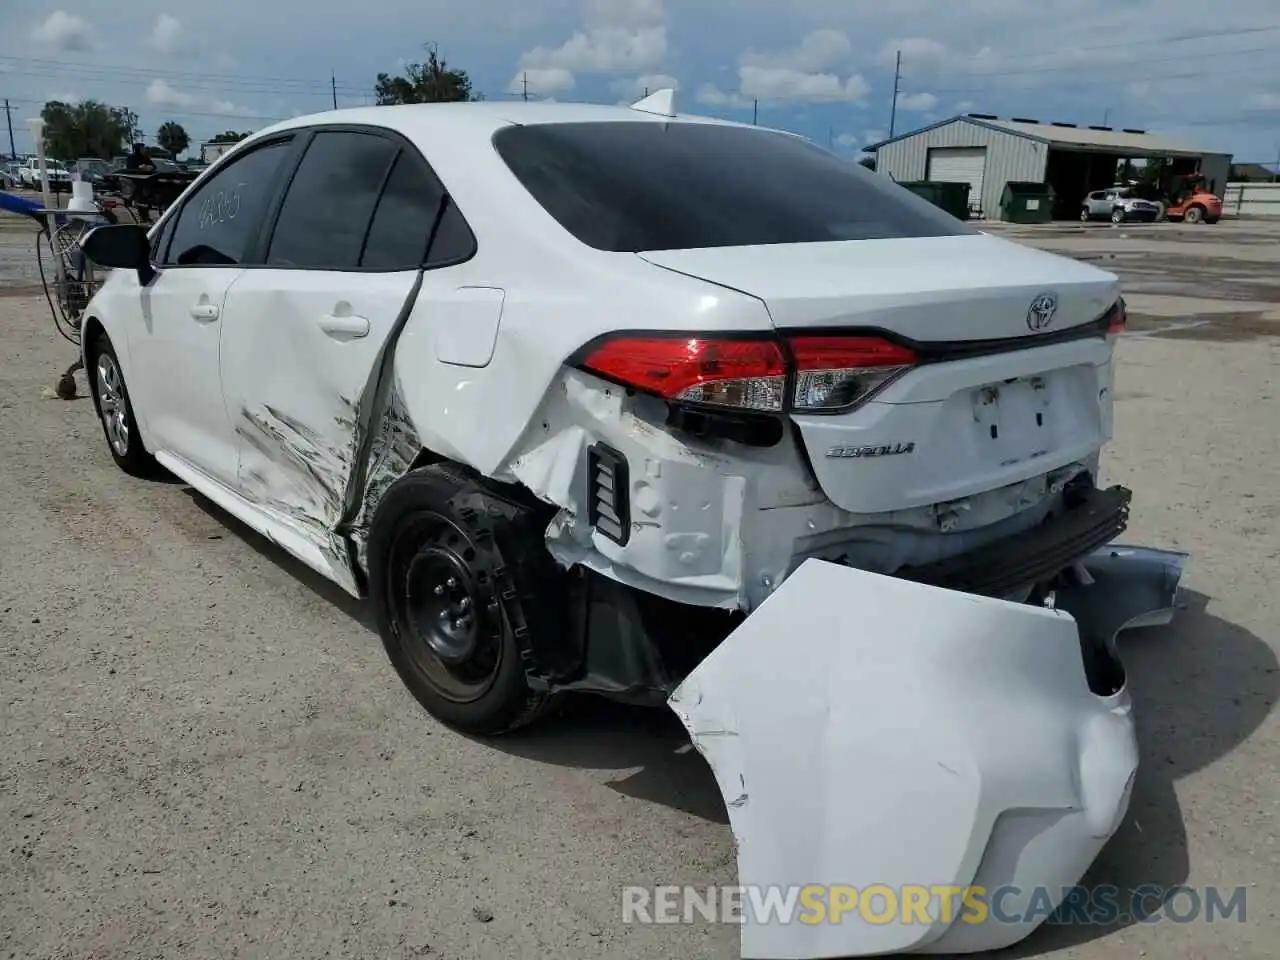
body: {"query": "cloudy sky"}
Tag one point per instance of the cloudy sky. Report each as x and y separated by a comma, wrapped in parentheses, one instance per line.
(1208, 74)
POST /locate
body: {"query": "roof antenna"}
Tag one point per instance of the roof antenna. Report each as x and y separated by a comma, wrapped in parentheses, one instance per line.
(662, 103)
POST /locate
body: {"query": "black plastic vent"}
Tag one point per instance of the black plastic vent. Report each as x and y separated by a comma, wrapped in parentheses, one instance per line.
(609, 504)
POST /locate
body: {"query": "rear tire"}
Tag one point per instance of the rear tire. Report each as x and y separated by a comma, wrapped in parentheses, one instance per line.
(115, 410)
(1084, 215)
(1194, 215)
(462, 589)
(1117, 216)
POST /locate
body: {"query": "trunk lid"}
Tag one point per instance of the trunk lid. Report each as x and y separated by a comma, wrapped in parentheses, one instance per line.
(973, 287)
(1000, 397)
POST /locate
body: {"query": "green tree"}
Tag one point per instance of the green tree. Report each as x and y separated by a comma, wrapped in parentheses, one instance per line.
(85, 129)
(869, 161)
(230, 136)
(430, 82)
(173, 138)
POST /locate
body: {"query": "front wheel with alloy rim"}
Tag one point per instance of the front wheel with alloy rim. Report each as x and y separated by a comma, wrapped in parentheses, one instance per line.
(1194, 215)
(115, 411)
(463, 591)
(1117, 216)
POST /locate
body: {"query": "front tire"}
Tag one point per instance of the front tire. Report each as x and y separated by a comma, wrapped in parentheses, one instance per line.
(115, 410)
(1117, 216)
(1084, 215)
(1195, 215)
(463, 590)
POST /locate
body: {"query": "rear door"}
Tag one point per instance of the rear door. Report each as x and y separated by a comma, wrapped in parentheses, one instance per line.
(304, 334)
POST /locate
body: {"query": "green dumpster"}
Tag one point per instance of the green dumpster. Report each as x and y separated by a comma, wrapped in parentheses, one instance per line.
(951, 197)
(1026, 202)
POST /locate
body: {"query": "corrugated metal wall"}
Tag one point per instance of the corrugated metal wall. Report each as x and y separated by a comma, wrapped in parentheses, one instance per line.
(1251, 200)
(1009, 157)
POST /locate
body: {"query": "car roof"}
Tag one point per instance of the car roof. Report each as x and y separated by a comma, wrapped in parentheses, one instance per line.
(481, 118)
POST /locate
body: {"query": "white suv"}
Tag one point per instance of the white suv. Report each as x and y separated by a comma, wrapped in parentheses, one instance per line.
(568, 390)
(1119, 205)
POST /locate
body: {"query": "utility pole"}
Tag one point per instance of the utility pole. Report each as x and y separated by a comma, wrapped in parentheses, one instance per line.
(831, 137)
(755, 112)
(333, 87)
(8, 117)
(893, 110)
(1106, 116)
(525, 81)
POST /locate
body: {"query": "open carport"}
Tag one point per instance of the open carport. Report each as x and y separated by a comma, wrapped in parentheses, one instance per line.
(988, 152)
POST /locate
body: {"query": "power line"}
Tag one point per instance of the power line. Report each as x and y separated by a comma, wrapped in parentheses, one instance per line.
(176, 111)
(1154, 41)
(1095, 65)
(35, 64)
(1096, 81)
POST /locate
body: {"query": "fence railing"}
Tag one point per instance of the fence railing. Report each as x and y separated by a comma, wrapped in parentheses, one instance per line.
(1251, 200)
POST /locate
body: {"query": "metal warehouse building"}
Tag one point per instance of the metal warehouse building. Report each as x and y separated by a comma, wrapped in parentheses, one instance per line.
(987, 152)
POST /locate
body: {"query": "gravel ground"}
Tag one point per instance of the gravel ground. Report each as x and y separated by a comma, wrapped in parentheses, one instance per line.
(207, 753)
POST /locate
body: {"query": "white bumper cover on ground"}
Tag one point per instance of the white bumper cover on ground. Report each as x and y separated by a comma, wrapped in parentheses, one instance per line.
(867, 732)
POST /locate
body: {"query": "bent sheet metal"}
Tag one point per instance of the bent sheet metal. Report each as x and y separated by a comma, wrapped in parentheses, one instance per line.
(868, 731)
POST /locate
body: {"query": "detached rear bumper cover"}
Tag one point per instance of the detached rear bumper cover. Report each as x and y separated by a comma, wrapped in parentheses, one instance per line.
(867, 731)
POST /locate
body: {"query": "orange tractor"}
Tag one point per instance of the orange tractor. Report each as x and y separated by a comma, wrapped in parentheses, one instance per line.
(1190, 201)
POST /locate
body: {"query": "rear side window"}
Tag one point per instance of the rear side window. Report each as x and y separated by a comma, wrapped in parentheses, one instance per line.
(218, 224)
(326, 212)
(632, 186)
(402, 222)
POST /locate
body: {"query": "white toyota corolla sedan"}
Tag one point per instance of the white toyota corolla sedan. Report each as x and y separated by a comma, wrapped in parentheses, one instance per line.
(661, 407)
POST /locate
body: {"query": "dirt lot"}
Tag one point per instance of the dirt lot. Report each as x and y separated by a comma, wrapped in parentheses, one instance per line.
(207, 753)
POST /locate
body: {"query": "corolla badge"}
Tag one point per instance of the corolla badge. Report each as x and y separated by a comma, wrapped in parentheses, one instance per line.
(1040, 313)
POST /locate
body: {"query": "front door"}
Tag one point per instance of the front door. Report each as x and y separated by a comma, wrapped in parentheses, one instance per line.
(305, 333)
(174, 350)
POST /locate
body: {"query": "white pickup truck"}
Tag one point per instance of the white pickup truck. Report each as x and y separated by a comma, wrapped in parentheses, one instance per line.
(59, 176)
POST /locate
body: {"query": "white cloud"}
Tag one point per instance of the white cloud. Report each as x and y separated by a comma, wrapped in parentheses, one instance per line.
(816, 70)
(874, 136)
(712, 96)
(542, 81)
(162, 94)
(64, 32)
(964, 106)
(617, 37)
(164, 34)
(914, 50)
(917, 101)
(818, 51)
(782, 85)
(652, 82)
(848, 140)
(1263, 101)
(64, 97)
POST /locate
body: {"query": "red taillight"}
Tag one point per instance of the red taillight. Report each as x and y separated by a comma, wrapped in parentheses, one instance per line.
(749, 374)
(1117, 319)
(830, 372)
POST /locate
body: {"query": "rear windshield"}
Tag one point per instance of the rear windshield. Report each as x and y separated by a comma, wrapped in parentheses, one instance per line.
(635, 186)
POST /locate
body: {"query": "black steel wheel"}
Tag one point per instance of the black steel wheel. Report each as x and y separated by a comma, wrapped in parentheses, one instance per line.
(462, 589)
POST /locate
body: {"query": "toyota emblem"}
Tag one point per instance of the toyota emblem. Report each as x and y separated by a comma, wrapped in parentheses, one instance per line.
(1040, 313)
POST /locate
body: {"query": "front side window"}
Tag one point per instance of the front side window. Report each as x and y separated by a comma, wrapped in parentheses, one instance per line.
(218, 224)
(631, 186)
(326, 213)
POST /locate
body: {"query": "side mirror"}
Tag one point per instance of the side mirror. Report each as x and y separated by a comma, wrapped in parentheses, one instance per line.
(122, 246)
